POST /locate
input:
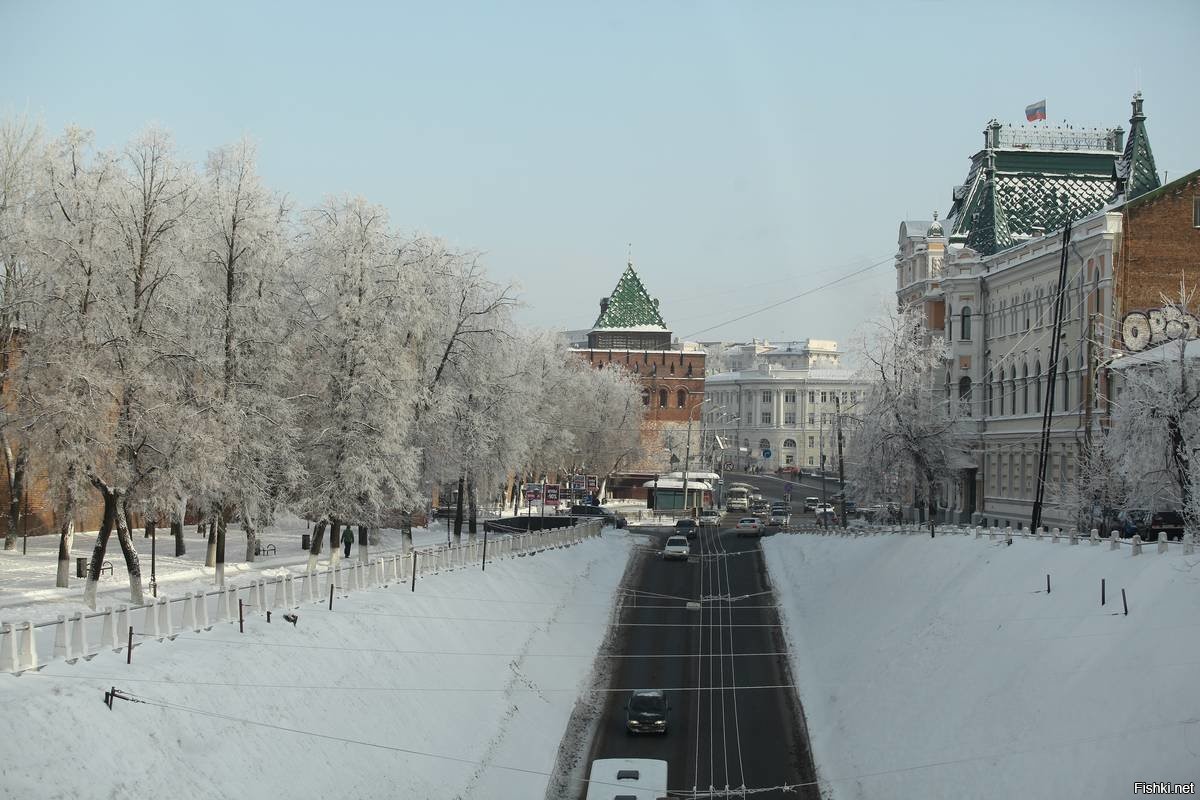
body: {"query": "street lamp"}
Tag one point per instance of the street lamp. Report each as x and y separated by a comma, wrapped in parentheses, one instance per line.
(687, 453)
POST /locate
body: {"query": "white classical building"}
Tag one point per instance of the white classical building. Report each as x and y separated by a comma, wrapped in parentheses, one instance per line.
(774, 418)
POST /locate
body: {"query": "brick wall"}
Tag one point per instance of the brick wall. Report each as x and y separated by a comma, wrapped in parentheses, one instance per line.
(1159, 243)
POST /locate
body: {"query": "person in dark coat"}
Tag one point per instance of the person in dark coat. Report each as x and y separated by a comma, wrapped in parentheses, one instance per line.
(347, 540)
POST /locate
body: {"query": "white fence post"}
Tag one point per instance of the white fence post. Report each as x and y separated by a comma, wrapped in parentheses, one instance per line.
(1074, 536)
(1054, 537)
(8, 648)
(1114, 541)
(1162, 542)
(62, 641)
(150, 621)
(28, 657)
(163, 611)
(1095, 537)
(1189, 545)
(110, 635)
(1136, 545)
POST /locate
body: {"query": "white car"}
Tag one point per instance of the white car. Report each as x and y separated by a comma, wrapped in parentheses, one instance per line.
(826, 508)
(779, 517)
(747, 526)
(709, 516)
(677, 547)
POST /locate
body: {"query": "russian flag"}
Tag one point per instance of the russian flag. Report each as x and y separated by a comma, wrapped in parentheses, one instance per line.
(1036, 111)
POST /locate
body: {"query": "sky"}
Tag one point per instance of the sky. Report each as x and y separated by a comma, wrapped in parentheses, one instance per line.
(743, 153)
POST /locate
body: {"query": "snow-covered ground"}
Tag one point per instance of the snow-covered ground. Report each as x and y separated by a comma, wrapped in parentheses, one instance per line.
(942, 668)
(462, 689)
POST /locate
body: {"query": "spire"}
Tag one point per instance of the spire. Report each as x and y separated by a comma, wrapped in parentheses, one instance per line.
(935, 230)
(1135, 172)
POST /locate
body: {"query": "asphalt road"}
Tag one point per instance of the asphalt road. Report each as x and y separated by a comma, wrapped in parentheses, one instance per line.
(725, 730)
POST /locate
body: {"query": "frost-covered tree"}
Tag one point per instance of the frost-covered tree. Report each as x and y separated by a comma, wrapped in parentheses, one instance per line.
(354, 279)
(902, 431)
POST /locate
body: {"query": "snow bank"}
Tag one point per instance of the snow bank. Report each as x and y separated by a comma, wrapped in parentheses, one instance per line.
(942, 668)
(462, 690)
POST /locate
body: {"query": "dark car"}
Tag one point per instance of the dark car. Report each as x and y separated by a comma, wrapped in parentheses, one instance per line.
(646, 711)
(610, 517)
(687, 527)
(1149, 524)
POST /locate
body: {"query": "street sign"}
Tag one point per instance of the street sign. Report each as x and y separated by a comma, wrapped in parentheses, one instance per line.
(551, 494)
(766, 453)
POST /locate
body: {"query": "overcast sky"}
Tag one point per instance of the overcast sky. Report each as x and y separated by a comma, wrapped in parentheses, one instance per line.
(747, 151)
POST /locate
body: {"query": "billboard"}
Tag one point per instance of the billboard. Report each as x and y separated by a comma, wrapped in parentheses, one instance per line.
(593, 483)
(533, 491)
(551, 494)
(578, 483)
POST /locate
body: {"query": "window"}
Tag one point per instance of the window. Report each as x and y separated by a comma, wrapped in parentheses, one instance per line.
(965, 332)
(853, 398)
(789, 418)
(1024, 388)
(789, 444)
(672, 369)
(1196, 212)
(825, 419)
(812, 419)
(766, 418)
(812, 441)
(689, 370)
(824, 397)
(681, 397)
(645, 397)
(766, 397)
(812, 397)
(964, 395)
(789, 459)
(764, 444)
(810, 461)
(662, 398)
(789, 397)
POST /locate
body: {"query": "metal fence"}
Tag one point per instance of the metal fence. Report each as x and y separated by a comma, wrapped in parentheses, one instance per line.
(29, 645)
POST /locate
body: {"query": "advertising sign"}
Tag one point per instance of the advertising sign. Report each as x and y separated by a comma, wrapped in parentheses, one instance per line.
(578, 483)
(533, 491)
(551, 494)
(593, 483)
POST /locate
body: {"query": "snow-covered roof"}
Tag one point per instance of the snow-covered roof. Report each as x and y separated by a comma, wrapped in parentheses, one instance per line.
(634, 329)
(700, 476)
(817, 373)
(677, 483)
(1164, 353)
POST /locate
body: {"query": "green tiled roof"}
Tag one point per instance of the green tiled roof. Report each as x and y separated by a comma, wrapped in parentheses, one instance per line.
(630, 306)
(989, 231)
(1135, 170)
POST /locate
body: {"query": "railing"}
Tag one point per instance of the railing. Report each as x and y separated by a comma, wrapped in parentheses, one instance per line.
(85, 635)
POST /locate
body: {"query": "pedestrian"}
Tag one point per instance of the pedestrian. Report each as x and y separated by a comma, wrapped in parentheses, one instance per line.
(347, 540)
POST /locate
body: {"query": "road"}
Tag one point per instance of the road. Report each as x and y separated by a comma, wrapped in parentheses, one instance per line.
(725, 729)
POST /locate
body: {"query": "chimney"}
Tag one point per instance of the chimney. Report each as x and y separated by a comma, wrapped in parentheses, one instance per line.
(1118, 139)
(603, 305)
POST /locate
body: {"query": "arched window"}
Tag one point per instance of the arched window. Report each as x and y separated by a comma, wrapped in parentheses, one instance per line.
(964, 395)
(662, 398)
(764, 444)
(1037, 386)
(645, 397)
(672, 368)
(949, 323)
(1024, 388)
(681, 397)
(1064, 387)
(965, 326)
(789, 444)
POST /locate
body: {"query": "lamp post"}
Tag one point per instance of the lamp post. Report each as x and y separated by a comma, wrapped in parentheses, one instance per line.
(687, 451)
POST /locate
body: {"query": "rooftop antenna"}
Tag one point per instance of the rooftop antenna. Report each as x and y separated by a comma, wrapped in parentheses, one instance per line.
(629, 257)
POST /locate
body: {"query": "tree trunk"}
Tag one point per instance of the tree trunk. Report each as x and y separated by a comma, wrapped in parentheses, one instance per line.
(363, 544)
(314, 549)
(458, 508)
(251, 535)
(125, 538)
(210, 552)
(177, 529)
(66, 538)
(106, 527)
(221, 523)
(16, 484)
(335, 542)
(473, 500)
(406, 543)
(931, 501)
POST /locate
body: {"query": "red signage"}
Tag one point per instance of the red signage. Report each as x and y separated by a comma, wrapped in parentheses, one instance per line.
(578, 483)
(593, 483)
(551, 494)
(533, 491)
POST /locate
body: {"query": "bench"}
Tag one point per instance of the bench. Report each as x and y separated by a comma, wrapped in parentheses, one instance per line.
(264, 549)
(107, 565)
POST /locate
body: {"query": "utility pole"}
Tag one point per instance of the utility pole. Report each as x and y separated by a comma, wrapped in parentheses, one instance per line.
(1052, 381)
(837, 404)
(824, 500)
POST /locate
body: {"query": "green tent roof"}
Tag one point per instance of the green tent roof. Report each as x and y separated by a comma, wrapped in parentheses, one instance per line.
(1135, 171)
(630, 306)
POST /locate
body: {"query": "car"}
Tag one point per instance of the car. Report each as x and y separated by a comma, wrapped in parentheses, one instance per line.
(811, 503)
(646, 711)
(825, 508)
(610, 517)
(709, 516)
(687, 526)
(677, 547)
(1149, 524)
(779, 517)
(748, 526)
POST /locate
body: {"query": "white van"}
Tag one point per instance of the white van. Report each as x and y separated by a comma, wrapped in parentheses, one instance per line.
(633, 778)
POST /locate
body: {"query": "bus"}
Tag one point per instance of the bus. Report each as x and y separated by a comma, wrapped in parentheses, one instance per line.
(737, 497)
(633, 778)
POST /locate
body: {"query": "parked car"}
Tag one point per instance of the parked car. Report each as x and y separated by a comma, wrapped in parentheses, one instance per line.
(1149, 524)
(610, 517)
(677, 547)
(687, 527)
(709, 516)
(748, 526)
(646, 711)
(811, 503)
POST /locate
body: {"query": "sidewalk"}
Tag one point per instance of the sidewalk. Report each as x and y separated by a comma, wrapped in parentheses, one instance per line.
(27, 590)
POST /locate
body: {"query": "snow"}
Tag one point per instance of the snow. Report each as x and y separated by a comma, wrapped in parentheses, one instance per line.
(461, 689)
(942, 668)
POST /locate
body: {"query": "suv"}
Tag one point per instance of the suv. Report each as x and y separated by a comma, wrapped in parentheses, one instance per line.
(677, 547)
(610, 517)
(646, 711)
(687, 526)
(811, 503)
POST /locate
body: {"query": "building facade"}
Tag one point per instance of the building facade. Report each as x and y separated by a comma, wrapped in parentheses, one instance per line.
(987, 282)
